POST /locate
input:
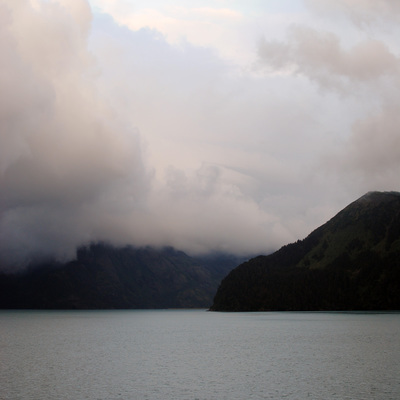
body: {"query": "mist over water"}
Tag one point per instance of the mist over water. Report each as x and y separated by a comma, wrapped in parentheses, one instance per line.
(199, 355)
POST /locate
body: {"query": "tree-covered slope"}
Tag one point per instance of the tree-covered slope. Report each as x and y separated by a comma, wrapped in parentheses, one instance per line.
(350, 263)
(104, 277)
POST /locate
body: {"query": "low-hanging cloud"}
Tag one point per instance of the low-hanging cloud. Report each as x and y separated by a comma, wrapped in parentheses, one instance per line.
(63, 151)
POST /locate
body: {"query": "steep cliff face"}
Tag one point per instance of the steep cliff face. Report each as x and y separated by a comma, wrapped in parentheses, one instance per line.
(105, 277)
(350, 263)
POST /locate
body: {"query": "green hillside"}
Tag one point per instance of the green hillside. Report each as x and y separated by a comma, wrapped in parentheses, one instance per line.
(350, 263)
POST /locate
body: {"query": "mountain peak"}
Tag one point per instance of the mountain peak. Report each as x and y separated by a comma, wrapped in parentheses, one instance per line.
(376, 196)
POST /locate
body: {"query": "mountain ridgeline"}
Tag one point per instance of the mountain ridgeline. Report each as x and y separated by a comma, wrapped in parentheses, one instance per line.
(350, 263)
(105, 277)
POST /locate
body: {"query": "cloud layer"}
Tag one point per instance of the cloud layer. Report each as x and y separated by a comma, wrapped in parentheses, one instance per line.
(64, 152)
(122, 134)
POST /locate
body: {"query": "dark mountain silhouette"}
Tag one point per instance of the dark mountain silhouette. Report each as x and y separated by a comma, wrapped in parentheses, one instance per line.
(103, 277)
(350, 263)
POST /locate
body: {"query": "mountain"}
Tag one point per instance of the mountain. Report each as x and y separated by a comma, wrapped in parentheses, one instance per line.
(104, 277)
(350, 263)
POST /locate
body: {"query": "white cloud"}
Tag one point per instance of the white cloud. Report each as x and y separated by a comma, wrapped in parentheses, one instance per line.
(229, 28)
(321, 57)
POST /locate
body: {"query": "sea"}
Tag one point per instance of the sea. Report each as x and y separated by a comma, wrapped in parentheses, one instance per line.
(197, 354)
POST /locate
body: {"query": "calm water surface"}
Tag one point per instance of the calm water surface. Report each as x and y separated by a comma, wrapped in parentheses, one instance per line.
(174, 355)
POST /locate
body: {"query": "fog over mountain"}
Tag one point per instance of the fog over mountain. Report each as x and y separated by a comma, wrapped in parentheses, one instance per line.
(214, 126)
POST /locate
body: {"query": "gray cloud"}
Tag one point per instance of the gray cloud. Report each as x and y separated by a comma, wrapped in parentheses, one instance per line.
(362, 12)
(62, 150)
(113, 134)
(321, 57)
(73, 165)
(371, 156)
(361, 64)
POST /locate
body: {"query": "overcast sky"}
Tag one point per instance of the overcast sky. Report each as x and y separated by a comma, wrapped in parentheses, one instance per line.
(207, 125)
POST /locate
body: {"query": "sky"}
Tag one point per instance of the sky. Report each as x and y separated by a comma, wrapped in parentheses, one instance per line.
(215, 125)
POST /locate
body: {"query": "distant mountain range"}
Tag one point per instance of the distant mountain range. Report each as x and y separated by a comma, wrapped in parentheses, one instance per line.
(350, 263)
(104, 277)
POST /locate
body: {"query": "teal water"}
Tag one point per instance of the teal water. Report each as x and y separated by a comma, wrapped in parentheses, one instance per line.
(194, 354)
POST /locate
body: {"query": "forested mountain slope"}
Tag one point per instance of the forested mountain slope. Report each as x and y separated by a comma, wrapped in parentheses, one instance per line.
(104, 277)
(350, 263)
